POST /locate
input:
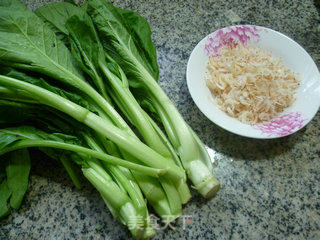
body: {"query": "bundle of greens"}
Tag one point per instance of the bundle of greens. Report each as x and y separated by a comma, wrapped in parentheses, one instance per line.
(79, 83)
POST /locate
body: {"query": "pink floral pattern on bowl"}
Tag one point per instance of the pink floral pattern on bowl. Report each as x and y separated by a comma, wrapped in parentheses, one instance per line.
(283, 125)
(231, 36)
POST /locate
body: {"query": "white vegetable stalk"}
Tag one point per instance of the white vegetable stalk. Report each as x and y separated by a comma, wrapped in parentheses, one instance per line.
(103, 127)
(115, 31)
(117, 200)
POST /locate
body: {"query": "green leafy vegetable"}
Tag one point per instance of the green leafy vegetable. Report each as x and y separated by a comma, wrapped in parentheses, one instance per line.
(30, 137)
(65, 72)
(121, 39)
(70, 166)
(14, 180)
(141, 33)
(27, 43)
(5, 194)
(118, 89)
(57, 14)
(18, 169)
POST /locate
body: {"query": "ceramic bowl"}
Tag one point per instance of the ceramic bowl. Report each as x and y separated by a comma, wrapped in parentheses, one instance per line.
(293, 56)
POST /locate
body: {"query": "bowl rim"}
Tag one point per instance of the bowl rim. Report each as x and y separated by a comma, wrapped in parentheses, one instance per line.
(239, 132)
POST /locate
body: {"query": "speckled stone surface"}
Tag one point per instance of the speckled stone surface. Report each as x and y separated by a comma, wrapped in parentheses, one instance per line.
(270, 189)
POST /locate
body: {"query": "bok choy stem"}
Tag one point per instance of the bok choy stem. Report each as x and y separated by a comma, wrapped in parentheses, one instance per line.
(117, 200)
(78, 149)
(130, 186)
(118, 136)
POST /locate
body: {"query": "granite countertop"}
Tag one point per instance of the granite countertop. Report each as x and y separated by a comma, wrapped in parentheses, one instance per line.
(270, 188)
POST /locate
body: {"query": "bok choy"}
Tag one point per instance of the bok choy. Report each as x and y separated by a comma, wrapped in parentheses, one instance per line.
(79, 83)
(122, 39)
